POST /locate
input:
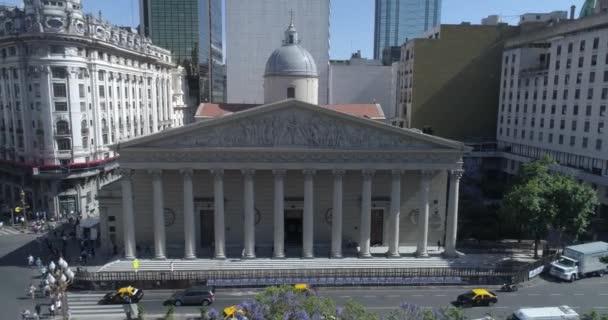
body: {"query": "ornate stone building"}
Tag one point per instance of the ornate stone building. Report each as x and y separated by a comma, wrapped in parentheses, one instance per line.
(288, 178)
(70, 86)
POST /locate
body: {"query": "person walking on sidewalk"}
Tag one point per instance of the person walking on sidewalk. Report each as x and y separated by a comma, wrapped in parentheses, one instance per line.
(30, 260)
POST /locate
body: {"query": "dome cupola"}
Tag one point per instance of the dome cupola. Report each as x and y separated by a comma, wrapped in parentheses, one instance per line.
(291, 71)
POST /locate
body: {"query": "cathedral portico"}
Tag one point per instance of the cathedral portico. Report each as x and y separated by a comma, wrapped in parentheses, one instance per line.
(287, 177)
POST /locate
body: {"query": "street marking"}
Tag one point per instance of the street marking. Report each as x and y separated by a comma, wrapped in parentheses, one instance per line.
(556, 294)
(369, 297)
(440, 295)
(501, 307)
(579, 294)
(603, 294)
(345, 297)
(600, 307)
(534, 294)
(393, 296)
(417, 295)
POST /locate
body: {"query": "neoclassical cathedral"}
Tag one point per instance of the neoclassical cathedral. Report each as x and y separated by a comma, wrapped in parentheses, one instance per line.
(289, 178)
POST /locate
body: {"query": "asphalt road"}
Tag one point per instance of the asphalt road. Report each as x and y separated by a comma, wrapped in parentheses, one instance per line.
(584, 295)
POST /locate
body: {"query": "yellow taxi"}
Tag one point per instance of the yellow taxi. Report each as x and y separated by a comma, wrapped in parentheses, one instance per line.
(306, 289)
(477, 297)
(231, 312)
(123, 295)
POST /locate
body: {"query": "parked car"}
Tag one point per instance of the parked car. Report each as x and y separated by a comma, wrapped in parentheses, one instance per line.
(194, 295)
(477, 297)
(549, 313)
(580, 261)
(123, 295)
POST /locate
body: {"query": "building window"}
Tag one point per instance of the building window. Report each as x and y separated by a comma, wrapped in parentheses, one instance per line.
(102, 91)
(291, 92)
(590, 93)
(572, 141)
(61, 106)
(561, 139)
(598, 144)
(582, 45)
(59, 73)
(57, 49)
(585, 142)
(63, 127)
(570, 47)
(581, 62)
(59, 90)
(587, 126)
(575, 110)
(591, 77)
(596, 43)
(64, 144)
(594, 60)
(588, 111)
(573, 125)
(85, 142)
(81, 90)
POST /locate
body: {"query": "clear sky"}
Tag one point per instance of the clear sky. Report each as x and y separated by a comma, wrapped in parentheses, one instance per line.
(352, 21)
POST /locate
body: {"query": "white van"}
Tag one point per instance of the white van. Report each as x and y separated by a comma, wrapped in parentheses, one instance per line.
(548, 313)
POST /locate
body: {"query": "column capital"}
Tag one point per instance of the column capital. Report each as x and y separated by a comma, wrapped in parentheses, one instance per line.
(217, 172)
(427, 174)
(187, 172)
(126, 173)
(155, 172)
(248, 172)
(309, 172)
(279, 172)
(368, 173)
(338, 172)
(456, 174)
(397, 172)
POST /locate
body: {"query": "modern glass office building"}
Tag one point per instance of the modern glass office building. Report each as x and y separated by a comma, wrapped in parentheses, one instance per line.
(398, 20)
(192, 30)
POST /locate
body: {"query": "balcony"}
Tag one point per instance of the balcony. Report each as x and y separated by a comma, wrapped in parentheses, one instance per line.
(62, 133)
(105, 129)
(84, 131)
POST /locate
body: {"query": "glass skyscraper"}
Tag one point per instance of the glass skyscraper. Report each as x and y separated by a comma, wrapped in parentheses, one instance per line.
(192, 30)
(398, 20)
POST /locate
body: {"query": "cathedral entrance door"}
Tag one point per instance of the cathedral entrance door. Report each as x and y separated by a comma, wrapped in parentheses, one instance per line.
(377, 230)
(207, 228)
(293, 230)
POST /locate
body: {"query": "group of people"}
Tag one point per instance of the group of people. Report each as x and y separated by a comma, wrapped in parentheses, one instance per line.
(53, 308)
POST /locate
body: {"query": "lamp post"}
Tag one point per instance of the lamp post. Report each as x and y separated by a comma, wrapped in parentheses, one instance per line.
(58, 279)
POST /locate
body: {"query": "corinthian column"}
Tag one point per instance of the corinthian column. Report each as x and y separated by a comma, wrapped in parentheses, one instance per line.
(366, 215)
(189, 233)
(423, 217)
(218, 203)
(128, 215)
(336, 217)
(308, 219)
(249, 214)
(451, 232)
(159, 217)
(279, 214)
(393, 245)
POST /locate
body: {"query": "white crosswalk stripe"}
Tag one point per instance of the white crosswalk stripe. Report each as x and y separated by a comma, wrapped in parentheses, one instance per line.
(4, 231)
(86, 306)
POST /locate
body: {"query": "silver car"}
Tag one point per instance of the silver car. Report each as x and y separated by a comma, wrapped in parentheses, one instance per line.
(194, 296)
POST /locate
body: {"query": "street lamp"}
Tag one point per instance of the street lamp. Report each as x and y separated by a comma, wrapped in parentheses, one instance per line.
(58, 279)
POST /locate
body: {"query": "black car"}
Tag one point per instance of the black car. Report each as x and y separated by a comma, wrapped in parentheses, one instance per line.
(124, 295)
(477, 297)
(198, 295)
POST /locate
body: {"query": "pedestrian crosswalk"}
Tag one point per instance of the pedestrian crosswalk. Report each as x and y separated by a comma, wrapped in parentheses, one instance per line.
(86, 306)
(4, 231)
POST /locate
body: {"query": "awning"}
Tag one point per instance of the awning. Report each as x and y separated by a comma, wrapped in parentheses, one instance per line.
(89, 223)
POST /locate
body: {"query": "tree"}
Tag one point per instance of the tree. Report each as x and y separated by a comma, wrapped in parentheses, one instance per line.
(528, 203)
(542, 201)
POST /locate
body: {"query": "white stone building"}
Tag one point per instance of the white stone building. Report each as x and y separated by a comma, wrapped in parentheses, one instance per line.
(553, 100)
(361, 80)
(71, 85)
(288, 178)
(255, 27)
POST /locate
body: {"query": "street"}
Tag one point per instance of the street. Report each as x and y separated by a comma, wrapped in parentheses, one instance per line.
(583, 296)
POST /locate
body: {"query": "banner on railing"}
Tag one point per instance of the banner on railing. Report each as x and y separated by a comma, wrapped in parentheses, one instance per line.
(534, 272)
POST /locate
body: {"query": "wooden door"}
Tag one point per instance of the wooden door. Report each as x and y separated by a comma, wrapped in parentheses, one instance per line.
(207, 228)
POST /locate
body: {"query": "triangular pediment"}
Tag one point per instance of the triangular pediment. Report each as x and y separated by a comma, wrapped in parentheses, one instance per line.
(293, 124)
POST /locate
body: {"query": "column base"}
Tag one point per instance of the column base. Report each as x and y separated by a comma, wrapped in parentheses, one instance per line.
(160, 258)
(393, 255)
(249, 257)
(421, 254)
(130, 258)
(307, 257)
(452, 255)
(190, 257)
(219, 257)
(336, 256)
(365, 256)
(279, 257)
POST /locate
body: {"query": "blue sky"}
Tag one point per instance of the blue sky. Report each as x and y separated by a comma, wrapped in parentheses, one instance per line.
(352, 23)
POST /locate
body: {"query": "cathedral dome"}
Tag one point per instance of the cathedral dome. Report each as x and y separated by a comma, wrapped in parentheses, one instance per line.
(291, 59)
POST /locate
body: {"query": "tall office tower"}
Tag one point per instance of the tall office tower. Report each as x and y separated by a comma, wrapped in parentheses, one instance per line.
(254, 28)
(192, 30)
(554, 98)
(398, 20)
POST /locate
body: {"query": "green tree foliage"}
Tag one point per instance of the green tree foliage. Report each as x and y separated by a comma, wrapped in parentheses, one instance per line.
(542, 201)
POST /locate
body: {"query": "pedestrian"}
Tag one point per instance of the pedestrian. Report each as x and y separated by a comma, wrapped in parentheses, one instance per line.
(30, 260)
(32, 291)
(93, 252)
(38, 308)
(52, 310)
(25, 314)
(438, 245)
(38, 262)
